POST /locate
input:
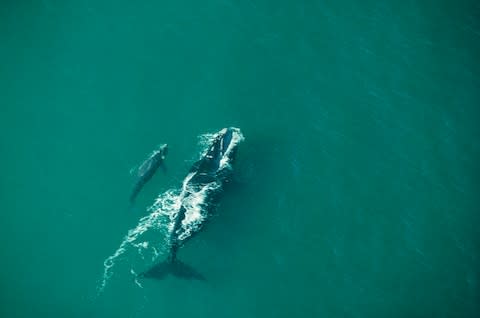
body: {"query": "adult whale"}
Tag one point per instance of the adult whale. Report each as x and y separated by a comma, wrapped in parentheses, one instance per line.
(147, 169)
(198, 198)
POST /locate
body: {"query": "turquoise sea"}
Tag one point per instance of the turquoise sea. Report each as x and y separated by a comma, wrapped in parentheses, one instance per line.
(356, 190)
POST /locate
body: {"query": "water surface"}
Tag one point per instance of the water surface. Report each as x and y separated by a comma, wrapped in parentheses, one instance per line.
(356, 191)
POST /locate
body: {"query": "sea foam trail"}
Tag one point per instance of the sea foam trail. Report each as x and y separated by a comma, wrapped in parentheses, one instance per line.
(138, 239)
(149, 239)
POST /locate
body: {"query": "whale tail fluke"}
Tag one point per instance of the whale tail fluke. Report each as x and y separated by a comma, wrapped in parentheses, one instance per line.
(173, 267)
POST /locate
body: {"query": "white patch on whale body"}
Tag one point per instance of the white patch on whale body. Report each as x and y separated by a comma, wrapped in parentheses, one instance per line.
(196, 212)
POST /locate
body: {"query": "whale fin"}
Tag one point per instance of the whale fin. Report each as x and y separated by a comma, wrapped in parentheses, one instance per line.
(175, 268)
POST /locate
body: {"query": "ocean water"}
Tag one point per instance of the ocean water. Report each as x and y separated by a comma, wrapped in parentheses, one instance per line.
(356, 189)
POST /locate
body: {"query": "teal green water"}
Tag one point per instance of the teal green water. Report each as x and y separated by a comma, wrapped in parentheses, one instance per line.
(357, 186)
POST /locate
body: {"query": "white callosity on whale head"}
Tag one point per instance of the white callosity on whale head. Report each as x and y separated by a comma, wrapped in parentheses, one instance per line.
(237, 137)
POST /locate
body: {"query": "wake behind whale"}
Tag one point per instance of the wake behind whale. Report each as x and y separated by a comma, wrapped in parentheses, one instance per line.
(178, 214)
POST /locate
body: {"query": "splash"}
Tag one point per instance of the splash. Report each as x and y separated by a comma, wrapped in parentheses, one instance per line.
(194, 202)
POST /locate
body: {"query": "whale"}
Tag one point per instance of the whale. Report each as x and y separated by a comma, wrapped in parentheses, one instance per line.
(147, 169)
(199, 197)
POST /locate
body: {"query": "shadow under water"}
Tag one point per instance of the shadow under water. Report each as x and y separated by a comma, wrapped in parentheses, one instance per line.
(176, 268)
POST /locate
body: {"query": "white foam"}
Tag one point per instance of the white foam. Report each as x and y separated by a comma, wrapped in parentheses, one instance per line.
(154, 225)
(195, 213)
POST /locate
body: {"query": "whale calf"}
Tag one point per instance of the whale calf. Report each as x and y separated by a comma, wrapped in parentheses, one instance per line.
(198, 198)
(147, 169)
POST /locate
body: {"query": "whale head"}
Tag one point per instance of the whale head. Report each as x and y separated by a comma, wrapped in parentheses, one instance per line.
(163, 150)
(224, 147)
(221, 151)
